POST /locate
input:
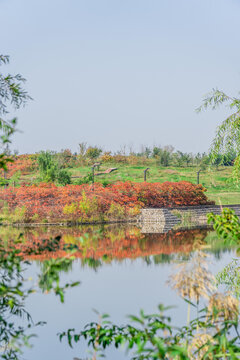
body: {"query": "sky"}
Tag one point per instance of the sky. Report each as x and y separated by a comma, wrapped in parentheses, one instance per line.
(120, 73)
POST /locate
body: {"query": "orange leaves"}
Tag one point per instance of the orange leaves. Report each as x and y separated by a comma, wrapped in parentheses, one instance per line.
(22, 163)
(167, 194)
(48, 201)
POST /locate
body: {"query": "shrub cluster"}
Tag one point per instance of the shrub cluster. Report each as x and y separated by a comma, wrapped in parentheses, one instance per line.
(83, 203)
(23, 164)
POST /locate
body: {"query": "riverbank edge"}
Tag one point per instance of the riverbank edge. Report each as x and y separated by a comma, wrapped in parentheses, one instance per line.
(71, 223)
(168, 217)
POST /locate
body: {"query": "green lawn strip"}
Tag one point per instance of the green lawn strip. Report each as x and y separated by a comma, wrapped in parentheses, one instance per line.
(225, 198)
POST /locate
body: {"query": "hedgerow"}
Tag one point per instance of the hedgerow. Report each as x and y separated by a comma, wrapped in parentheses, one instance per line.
(83, 203)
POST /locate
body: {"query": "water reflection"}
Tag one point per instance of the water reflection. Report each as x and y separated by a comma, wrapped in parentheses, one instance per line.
(101, 245)
(125, 278)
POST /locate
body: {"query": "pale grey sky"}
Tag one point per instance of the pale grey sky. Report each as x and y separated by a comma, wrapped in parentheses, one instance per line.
(113, 72)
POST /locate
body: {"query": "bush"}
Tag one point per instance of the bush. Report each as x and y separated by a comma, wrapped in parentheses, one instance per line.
(105, 183)
(63, 177)
(116, 211)
(120, 159)
(88, 179)
(107, 157)
(49, 201)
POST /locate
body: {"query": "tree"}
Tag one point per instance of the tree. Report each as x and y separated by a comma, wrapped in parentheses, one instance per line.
(165, 157)
(12, 96)
(82, 148)
(156, 151)
(12, 294)
(93, 152)
(15, 321)
(227, 138)
(50, 169)
(47, 166)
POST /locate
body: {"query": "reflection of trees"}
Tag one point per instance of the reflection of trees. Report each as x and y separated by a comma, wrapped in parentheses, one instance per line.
(159, 259)
(15, 321)
(92, 263)
(218, 252)
(12, 297)
(162, 259)
(50, 271)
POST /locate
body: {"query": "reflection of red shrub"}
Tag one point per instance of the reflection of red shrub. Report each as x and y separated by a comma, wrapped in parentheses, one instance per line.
(74, 202)
(111, 244)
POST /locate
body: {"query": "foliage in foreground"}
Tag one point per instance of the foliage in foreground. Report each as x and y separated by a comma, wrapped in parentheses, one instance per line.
(212, 335)
(151, 336)
(227, 137)
(14, 291)
(227, 226)
(83, 203)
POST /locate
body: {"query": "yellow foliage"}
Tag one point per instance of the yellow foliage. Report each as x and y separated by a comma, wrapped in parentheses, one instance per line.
(106, 157)
(116, 211)
(134, 211)
(70, 209)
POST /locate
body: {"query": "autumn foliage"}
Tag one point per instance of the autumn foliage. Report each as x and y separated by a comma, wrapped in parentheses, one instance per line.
(24, 164)
(83, 203)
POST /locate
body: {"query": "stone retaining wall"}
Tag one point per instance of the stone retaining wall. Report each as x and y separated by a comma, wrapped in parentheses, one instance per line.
(165, 219)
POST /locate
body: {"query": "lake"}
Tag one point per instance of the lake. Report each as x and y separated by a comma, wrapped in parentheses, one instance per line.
(121, 270)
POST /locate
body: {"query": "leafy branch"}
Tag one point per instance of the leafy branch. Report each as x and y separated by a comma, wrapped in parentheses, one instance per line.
(227, 136)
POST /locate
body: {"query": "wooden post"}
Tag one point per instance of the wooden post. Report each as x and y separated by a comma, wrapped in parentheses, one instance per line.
(5, 178)
(145, 174)
(93, 177)
(198, 173)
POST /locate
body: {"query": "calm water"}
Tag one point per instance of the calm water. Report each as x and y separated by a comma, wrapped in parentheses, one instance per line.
(121, 270)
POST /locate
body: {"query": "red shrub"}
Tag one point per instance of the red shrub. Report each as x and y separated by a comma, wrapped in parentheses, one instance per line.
(23, 163)
(74, 202)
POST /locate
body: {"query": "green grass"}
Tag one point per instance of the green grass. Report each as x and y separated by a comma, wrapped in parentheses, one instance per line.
(225, 198)
(215, 180)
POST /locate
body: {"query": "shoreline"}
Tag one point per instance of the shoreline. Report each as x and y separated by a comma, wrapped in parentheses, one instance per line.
(71, 224)
(166, 218)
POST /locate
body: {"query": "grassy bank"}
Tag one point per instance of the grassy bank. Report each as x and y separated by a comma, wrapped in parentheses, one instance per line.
(215, 180)
(25, 170)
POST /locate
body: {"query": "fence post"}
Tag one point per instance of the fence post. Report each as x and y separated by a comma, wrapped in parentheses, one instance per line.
(145, 174)
(93, 175)
(5, 178)
(198, 173)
